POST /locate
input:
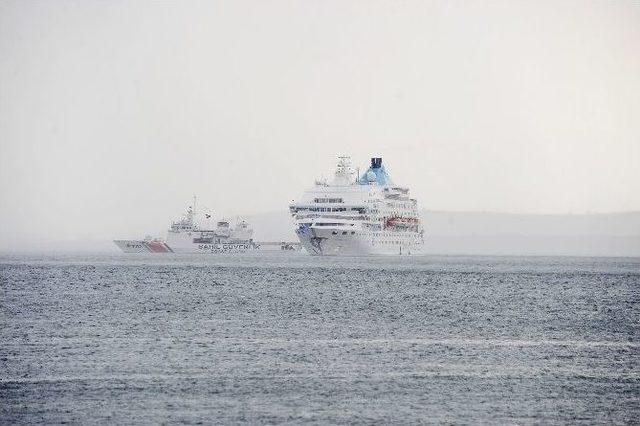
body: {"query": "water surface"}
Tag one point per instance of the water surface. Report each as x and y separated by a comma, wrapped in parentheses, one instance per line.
(292, 338)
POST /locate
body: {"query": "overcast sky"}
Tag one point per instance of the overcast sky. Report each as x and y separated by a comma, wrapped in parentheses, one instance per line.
(114, 113)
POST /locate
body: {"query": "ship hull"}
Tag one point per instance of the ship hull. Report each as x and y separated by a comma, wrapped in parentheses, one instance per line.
(337, 242)
(216, 248)
(142, 246)
(205, 242)
(131, 246)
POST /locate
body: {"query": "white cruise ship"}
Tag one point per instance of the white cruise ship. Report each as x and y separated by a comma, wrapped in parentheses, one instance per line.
(358, 215)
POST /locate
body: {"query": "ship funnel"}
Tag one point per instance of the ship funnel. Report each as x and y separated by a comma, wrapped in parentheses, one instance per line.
(376, 162)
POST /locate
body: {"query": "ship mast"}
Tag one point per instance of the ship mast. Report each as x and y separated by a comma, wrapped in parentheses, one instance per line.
(192, 213)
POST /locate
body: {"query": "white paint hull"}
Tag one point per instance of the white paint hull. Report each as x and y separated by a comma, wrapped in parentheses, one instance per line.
(216, 248)
(132, 246)
(142, 246)
(324, 242)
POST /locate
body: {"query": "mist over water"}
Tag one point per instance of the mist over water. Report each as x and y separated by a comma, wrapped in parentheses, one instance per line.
(515, 126)
(296, 338)
(114, 114)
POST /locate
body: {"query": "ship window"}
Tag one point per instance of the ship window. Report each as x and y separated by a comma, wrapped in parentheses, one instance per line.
(344, 232)
(353, 232)
(327, 200)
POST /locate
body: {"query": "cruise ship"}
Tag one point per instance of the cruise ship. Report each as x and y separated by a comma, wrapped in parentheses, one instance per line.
(358, 215)
(187, 236)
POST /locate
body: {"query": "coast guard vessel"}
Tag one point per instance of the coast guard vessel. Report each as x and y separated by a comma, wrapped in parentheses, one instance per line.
(186, 236)
(358, 215)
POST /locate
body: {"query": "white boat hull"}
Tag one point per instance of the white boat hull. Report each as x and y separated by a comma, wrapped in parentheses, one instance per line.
(215, 248)
(132, 246)
(337, 242)
(142, 246)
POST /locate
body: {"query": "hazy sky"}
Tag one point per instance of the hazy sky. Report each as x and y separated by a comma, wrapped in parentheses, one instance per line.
(112, 114)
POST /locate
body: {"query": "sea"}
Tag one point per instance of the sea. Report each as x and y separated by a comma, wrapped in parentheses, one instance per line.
(288, 338)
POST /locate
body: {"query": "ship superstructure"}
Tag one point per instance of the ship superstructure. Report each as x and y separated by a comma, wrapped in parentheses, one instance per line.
(187, 236)
(358, 215)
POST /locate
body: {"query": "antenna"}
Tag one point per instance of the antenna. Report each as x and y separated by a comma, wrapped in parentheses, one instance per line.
(194, 205)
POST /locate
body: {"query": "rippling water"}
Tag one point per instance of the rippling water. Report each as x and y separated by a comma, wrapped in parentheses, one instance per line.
(275, 338)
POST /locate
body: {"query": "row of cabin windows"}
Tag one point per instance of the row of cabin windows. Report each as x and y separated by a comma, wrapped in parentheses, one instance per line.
(330, 209)
(402, 205)
(327, 200)
(354, 233)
